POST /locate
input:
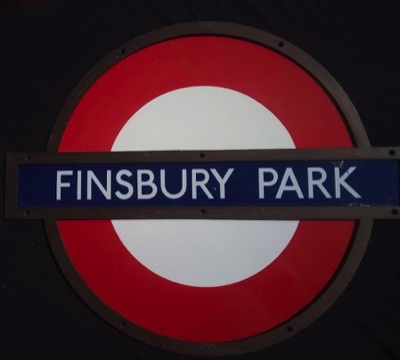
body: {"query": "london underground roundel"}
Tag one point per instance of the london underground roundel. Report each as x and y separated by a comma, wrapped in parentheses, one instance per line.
(205, 284)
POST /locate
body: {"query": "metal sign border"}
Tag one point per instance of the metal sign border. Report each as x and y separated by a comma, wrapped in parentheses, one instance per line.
(275, 212)
(363, 227)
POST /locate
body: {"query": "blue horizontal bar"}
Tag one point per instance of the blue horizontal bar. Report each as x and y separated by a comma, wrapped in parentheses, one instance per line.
(268, 183)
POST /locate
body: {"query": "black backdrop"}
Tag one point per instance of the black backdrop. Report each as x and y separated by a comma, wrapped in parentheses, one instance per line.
(46, 46)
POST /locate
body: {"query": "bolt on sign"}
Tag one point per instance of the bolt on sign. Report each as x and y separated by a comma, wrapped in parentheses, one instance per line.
(207, 189)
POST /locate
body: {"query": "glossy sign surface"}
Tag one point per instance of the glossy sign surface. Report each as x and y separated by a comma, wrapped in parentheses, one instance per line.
(279, 183)
(104, 254)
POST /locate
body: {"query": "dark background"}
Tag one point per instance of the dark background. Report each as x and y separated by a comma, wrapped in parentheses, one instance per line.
(47, 46)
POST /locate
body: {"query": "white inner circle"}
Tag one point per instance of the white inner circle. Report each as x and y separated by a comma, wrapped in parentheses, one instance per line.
(204, 252)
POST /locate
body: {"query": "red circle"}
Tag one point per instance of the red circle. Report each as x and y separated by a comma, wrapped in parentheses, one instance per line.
(229, 312)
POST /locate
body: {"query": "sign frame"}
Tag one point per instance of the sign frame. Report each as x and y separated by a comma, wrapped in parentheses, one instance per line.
(362, 150)
(274, 212)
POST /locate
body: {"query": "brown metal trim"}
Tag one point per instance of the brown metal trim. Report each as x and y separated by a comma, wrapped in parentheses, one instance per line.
(12, 210)
(216, 213)
(329, 154)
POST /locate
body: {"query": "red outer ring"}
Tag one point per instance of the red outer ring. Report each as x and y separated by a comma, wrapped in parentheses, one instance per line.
(231, 312)
(284, 88)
